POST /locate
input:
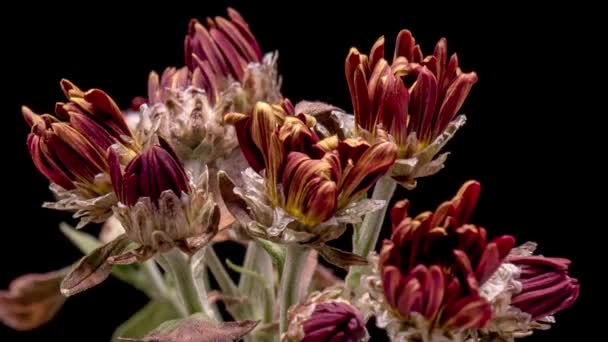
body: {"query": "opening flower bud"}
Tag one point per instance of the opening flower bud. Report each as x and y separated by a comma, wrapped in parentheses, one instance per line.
(154, 171)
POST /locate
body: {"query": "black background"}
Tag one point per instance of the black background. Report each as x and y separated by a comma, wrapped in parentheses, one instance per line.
(529, 139)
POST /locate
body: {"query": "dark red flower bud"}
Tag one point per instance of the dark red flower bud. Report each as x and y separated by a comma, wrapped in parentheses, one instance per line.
(546, 286)
(334, 321)
(152, 172)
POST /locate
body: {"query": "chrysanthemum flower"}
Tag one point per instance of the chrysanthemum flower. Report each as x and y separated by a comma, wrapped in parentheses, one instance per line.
(225, 71)
(414, 98)
(159, 207)
(70, 147)
(316, 185)
(431, 270)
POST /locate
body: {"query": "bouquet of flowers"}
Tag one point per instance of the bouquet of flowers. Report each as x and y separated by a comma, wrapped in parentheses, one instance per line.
(215, 152)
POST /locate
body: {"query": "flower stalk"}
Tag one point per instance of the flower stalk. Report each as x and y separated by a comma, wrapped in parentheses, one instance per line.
(178, 265)
(226, 284)
(290, 281)
(366, 236)
(160, 288)
(258, 261)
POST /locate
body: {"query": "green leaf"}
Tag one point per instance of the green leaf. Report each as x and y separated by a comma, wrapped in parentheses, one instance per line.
(276, 252)
(145, 320)
(264, 310)
(242, 270)
(85, 242)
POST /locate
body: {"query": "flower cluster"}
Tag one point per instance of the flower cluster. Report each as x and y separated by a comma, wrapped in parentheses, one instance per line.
(216, 153)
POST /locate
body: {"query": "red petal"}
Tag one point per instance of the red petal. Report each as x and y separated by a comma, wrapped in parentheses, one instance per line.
(405, 45)
(377, 52)
(399, 212)
(422, 105)
(455, 96)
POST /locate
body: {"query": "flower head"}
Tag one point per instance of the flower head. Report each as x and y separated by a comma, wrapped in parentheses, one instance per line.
(69, 148)
(158, 206)
(300, 188)
(310, 179)
(324, 316)
(220, 54)
(224, 71)
(339, 321)
(415, 99)
(433, 266)
(97, 116)
(221, 50)
(317, 177)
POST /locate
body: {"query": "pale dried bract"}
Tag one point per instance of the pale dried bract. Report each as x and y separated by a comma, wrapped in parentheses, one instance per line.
(87, 210)
(191, 123)
(261, 220)
(424, 163)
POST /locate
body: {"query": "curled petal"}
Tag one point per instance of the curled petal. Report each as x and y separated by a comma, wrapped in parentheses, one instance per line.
(464, 202)
(405, 46)
(243, 126)
(399, 212)
(309, 190)
(371, 165)
(455, 96)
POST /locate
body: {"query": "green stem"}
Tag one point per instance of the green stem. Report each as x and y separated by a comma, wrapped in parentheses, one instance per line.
(258, 261)
(207, 284)
(225, 283)
(366, 237)
(159, 288)
(220, 273)
(193, 297)
(290, 281)
(265, 298)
